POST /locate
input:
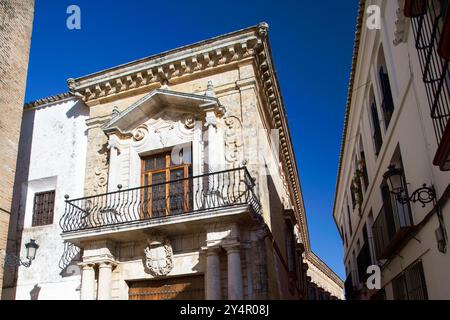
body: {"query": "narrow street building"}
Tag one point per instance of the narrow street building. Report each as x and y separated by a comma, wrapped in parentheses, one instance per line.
(391, 203)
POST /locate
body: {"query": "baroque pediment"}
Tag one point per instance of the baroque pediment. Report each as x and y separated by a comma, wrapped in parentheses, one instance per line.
(162, 106)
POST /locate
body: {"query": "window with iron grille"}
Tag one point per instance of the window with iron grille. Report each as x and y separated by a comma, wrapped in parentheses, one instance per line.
(410, 284)
(387, 103)
(377, 138)
(431, 27)
(43, 208)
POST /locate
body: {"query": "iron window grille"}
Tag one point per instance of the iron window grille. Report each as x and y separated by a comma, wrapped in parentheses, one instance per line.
(428, 19)
(410, 284)
(43, 208)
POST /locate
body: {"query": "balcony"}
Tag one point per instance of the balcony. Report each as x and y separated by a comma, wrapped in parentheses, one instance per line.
(218, 195)
(390, 229)
(363, 261)
(431, 26)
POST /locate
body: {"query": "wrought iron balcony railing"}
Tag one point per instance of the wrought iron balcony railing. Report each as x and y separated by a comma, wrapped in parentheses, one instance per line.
(390, 228)
(428, 19)
(177, 197)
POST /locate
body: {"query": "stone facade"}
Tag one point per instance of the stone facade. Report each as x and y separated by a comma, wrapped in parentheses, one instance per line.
(16, 21)
(243, 230)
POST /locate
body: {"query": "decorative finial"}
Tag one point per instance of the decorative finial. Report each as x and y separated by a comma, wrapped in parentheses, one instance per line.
(66, 197)
(71, 84)
(263, 29)
(210, 90)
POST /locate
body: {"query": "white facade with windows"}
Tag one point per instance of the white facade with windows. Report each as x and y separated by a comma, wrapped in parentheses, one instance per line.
(52, 158)
(390, 121)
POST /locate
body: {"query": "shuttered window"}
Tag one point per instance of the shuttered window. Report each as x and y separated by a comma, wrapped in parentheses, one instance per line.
(43, 208)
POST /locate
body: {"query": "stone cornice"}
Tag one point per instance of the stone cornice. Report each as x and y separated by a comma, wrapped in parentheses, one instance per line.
(359, 22)
(168, 67)
(319, 264)
(268, 82)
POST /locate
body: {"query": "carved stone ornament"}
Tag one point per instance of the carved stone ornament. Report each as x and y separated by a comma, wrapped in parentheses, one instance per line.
(233, 141)
(189, 121)
(101, 175)
(140, 133)
(159, 256)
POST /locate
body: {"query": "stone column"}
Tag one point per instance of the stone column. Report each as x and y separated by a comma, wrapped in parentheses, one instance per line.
(87, 281)
(212, 279)
(235, 288)
(104, 280)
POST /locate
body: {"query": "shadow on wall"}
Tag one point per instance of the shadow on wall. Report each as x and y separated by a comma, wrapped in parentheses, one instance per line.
(278, 225)
(14, 240)
(34, 293)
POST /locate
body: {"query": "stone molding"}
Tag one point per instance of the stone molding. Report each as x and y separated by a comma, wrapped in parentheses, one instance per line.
(319, 264)
(154, 71)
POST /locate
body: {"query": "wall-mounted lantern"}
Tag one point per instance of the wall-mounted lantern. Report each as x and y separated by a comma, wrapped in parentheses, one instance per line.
(31, 248)
(394, 176)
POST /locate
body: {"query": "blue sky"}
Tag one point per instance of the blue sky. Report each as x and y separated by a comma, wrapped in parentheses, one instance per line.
(312, 47)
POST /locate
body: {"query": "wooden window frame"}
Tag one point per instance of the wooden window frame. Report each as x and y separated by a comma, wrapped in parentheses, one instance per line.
(167, 170)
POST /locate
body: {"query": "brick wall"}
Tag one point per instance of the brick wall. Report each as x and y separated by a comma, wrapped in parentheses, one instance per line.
(16, 20)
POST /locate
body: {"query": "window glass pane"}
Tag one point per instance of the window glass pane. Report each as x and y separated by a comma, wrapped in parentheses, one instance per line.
(155, 162)
(158, 194)
(176, 191)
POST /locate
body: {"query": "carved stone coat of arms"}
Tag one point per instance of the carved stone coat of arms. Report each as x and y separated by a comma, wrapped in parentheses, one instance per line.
(159, 257)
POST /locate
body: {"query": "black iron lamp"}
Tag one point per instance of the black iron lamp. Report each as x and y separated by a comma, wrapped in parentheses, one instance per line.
(394, 176)
(31, 248)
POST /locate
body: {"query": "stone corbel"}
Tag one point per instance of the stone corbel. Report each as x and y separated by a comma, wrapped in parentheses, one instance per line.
(114, 143)
(210, 120)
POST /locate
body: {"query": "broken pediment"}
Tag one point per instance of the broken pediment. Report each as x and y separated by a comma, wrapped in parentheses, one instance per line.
(157, 102)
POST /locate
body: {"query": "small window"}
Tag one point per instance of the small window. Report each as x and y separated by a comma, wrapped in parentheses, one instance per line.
(387, 104)
(350, 229)
(43, 208)
(377, 138)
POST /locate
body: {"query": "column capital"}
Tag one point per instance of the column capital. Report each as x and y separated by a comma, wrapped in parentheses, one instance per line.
(211, 250)
(107, 264)
(86, 265)
(232, 247)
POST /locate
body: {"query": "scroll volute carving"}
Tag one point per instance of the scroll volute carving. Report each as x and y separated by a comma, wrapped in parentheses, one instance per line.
(234, 141)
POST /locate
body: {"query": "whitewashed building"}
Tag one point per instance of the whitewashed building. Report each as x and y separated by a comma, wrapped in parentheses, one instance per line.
(170, 177)
(391, 202)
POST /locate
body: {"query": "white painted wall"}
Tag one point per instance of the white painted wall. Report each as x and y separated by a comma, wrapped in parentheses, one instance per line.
(411, 128)
(54, 137)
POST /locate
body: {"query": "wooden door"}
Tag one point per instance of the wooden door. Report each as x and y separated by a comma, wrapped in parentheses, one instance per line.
(171, 189)
(182, 288)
